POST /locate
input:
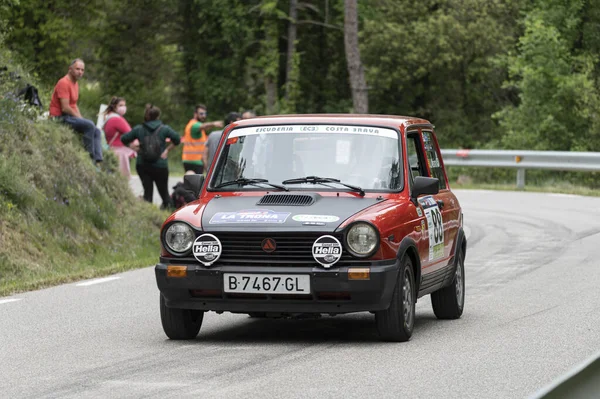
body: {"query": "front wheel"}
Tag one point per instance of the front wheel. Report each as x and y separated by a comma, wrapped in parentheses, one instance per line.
(448, 303)
(180, 323)
(396, 323)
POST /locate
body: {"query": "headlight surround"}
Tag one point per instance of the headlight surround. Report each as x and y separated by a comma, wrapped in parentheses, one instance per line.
(178, 238)
(362, 239)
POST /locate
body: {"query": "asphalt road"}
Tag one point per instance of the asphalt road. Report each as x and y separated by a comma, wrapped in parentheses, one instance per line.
(138, 190)
(532, 313)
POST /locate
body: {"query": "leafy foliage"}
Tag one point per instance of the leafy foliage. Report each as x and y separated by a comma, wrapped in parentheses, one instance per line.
(436, 59)
(488, 73)
(558, 95)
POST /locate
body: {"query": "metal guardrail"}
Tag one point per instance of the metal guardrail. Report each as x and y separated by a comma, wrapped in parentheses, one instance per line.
(581, 382)
(522, 160)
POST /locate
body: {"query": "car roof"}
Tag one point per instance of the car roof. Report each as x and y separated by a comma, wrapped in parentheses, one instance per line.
(393, 121)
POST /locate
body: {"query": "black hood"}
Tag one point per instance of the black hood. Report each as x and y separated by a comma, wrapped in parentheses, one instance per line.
(276, 212)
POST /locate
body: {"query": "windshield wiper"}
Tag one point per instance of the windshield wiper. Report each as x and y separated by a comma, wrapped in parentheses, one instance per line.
(317, 180)
(245, 181)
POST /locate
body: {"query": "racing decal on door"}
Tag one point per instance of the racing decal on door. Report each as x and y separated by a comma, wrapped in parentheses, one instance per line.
(435, 227)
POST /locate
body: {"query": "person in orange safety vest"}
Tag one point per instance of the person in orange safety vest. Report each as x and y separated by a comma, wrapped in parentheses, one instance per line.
(194, 139)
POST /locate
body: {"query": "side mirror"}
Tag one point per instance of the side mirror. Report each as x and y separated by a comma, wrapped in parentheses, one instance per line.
(193, 183)
(424, 186)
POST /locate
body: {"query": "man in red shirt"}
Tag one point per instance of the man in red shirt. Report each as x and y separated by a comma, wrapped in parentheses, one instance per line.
(63, 107)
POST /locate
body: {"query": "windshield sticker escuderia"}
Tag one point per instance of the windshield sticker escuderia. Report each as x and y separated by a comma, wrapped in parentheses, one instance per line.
(311, 129)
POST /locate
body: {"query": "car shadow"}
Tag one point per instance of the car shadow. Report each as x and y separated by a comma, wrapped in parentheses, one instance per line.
(358, 327)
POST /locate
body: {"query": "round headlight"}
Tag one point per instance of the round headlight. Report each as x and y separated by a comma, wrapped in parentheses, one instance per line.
(362, 239)
(179, 237)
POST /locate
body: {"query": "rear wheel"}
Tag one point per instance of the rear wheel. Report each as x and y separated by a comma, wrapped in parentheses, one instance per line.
(180, 323)
(397, 322)
(448, 303)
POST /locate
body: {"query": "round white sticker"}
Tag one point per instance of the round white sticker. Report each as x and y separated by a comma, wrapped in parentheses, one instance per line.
(327, 250)
(207, 249)
(315, 218)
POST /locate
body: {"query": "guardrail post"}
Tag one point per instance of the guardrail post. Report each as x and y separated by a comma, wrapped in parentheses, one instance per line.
(520, 179)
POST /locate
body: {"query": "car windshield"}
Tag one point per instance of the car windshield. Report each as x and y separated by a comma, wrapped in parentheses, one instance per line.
(363, 156)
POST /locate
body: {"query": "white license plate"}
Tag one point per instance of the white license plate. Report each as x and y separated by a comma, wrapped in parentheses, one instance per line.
(267, 283)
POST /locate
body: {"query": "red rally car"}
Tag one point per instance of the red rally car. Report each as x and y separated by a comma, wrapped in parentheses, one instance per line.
(316, 214)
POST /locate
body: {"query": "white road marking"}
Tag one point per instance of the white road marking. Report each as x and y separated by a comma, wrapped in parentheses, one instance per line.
(97, 281)
(9, 300)
(563, 195)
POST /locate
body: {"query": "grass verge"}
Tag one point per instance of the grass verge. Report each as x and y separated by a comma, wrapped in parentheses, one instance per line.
(60, 218)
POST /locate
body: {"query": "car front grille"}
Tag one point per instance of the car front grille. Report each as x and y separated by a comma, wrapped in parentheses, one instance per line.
(293, 249)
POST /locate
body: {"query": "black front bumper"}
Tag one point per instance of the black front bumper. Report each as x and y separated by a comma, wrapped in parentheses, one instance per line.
(331, 290)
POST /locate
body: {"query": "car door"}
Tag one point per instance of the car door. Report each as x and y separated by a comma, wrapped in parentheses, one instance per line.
(445, 201)
(417, 166)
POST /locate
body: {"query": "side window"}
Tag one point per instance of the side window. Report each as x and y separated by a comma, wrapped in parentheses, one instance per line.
(432, 158)
(416, 160)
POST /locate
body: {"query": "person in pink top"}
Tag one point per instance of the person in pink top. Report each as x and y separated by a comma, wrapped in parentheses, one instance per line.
(115, 126)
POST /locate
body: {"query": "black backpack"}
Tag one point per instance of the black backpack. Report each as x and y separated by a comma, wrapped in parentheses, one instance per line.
(181, 195)
(30, 96)
(151, 146)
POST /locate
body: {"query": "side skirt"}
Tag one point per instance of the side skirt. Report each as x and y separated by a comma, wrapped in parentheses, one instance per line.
(435, 280)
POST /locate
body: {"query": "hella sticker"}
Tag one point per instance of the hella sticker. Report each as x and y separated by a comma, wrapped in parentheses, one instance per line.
(207, 249)
(327, 250)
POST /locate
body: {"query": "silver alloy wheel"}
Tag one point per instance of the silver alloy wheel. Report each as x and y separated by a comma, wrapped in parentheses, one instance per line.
(407, 299)
(458, 280)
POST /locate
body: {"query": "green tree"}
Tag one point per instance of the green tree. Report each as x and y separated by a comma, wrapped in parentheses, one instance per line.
(138, 56)
(323, 74)
(235, 65)
(438, 60)
(220, 45)
(553, 71)
(46, 34)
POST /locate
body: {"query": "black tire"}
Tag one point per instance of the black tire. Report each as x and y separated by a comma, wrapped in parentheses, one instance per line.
(397, 322)
(449, 302)
(180, 323)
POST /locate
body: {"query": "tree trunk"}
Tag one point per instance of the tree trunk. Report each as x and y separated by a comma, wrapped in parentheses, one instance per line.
(271, 91)
(187, 42)
(291, 46)
(358, 84)
(271, 66)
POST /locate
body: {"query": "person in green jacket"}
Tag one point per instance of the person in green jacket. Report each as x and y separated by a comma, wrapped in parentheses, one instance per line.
(153, 171)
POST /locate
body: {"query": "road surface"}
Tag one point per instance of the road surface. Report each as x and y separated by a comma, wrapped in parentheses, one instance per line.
(532, 275)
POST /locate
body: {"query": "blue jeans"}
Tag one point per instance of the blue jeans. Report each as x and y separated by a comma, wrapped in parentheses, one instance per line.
(92, 137)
